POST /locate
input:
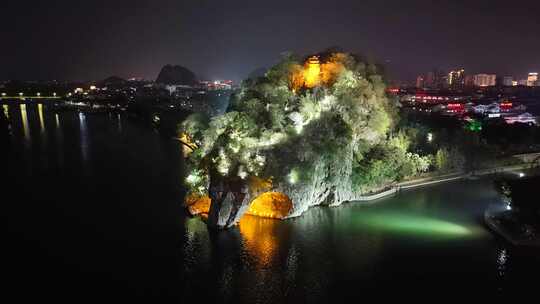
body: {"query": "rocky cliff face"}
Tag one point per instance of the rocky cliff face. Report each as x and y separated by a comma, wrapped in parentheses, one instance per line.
(176, 74)
(230, 199)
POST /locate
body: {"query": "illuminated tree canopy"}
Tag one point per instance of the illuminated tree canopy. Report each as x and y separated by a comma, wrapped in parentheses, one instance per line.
(319, 131)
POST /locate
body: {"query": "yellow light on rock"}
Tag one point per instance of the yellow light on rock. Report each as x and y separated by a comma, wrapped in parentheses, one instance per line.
(272, 205)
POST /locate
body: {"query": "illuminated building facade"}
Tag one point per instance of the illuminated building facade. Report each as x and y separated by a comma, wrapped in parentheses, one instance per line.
(522, 82)
(525, 118)
(469, 80)
(456, 78)
(508, 81)
(420, 81)
(435, 79)
(484, 80)
(532, 79)
(217, 84)
(312, 72)
(429, 80)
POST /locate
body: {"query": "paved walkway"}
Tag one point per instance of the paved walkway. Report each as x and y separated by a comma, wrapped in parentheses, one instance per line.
(426, 181)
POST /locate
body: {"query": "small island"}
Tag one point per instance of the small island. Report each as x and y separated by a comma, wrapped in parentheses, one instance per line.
(322, 130)
(318, 130)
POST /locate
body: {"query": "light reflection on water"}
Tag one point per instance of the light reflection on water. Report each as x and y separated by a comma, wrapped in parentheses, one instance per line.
(84, 137)
(119, 119)
(426, 231)
(433, 235)
(59, 141)
(24, 119)
(35, 126)
(41, 120)
(259, 238)
(411, 223)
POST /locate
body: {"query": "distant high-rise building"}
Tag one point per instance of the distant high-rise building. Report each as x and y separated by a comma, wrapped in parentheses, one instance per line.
(456, 78)
(435, 79)
(469, 80)
(442, 80)
(508, 81)
(531, 79)
(420, 81)
(522, 82)
(429, 80)
(484, 80)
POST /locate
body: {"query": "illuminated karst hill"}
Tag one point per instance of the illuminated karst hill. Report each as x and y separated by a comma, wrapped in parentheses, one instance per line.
(310, 132)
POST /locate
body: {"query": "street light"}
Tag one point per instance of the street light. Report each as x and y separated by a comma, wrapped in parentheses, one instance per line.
(21, 94)
(3, 94)
(430, 137)
(38, 94)
(54, 94)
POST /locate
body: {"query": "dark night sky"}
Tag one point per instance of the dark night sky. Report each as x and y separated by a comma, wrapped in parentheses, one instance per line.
(87, 40)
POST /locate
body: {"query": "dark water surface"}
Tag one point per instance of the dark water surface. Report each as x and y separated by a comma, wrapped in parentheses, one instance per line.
(92, 208)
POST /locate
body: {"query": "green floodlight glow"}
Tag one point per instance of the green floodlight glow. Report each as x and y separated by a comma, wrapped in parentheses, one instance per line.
(474, 125)
(414, 224)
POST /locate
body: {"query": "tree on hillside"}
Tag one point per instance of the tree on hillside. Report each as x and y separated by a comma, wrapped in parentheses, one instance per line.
(319, 130)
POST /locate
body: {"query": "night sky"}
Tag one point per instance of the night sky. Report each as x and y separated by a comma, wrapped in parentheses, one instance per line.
(91, 40)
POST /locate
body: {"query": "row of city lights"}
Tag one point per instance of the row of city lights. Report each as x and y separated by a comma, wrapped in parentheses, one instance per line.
(22, 94)
(77, 90)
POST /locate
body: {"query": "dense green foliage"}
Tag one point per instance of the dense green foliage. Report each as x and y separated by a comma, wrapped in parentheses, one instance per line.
(279, 131)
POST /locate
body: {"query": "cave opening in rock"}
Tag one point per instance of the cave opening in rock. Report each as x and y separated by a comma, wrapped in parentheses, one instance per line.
(269, 204)
(272, 205)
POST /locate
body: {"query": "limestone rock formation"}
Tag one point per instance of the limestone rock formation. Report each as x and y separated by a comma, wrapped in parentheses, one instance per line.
(309, 132)
(176, 75)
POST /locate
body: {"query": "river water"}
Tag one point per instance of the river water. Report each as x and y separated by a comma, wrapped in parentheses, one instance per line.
(92, 205)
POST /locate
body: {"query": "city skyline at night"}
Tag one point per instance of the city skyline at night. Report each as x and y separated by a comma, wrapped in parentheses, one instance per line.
(305, 151)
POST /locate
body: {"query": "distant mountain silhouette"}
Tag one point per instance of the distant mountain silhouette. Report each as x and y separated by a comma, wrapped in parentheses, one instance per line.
(259, 72)
(112, 81)
(176, 74)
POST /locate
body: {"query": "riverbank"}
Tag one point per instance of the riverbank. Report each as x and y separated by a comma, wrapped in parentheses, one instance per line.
(427, 181)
